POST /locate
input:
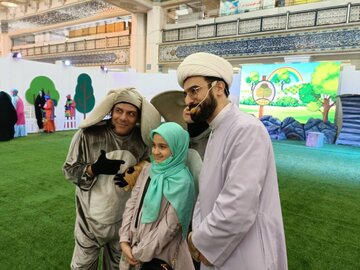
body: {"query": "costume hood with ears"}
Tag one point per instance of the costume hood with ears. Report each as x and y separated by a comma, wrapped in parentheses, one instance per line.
(150, 117)
(171, 105)
(205, 64)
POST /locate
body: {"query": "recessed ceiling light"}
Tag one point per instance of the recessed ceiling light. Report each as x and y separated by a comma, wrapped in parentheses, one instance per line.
(67, 62)
(9, 4)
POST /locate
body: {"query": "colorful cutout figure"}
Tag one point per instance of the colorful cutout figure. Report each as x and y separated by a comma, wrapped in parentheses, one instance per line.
(70, 107)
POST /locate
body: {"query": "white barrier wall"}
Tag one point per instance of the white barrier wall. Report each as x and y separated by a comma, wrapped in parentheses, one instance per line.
(349, 81)
(18, 74)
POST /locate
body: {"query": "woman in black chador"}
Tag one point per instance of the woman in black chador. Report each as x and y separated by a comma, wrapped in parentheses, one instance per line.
(39, 105)
(8, 117)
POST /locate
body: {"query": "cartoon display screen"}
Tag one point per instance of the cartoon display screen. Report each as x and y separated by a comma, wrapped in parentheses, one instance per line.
(299, 90)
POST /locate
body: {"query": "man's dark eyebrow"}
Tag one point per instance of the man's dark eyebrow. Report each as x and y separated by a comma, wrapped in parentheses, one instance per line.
(194, 87)
(131, 110)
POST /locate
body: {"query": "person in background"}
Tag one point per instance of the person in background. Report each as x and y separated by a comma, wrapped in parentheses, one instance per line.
(172, 107)
(8, 117)
(237, 222)
(158, 213)
(39, 106)
(20, 128)
(199, 133)
(49, 107)
(99, 150)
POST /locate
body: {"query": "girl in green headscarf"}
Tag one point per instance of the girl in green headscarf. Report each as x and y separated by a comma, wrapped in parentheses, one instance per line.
(158, 214)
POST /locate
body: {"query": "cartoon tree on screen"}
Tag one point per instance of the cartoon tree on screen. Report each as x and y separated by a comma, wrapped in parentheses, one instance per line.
(325, 82)
(253, 79)
(320, 94)
(84, 94)
(263, 93)
(41, 83)
(281, 77)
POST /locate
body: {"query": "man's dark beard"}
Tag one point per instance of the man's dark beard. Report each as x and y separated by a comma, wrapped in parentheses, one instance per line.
(207, 109)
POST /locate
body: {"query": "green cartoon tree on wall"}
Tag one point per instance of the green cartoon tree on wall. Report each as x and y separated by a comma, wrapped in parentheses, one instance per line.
(41, 83)
(84, 94)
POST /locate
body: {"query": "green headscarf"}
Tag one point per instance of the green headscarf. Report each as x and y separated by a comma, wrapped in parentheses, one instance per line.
(171, 177)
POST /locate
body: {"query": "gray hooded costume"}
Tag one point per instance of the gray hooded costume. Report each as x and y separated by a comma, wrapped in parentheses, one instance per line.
(99, 202)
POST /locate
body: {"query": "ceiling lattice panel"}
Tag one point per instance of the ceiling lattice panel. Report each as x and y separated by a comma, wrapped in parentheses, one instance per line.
(61, 15)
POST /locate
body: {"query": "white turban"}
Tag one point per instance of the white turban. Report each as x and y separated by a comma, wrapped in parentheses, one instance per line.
(207, 65)
(150, 117)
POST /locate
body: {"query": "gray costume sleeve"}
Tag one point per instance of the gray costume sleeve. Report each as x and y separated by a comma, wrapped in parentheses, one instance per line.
(76, 162)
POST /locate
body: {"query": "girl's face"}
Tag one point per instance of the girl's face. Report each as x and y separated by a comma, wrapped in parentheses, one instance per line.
(160, 149)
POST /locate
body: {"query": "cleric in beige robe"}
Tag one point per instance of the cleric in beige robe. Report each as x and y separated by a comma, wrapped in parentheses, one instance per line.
(240, 216)
(237, 222)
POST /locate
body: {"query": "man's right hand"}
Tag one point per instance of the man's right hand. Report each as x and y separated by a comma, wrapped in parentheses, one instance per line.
(103, 165)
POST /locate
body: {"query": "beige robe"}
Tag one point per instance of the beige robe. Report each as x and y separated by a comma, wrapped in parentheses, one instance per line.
(161, 239)
(237, 221)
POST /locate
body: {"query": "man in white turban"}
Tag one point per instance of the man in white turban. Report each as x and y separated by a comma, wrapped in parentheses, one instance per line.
(237, 222)
(99, 150)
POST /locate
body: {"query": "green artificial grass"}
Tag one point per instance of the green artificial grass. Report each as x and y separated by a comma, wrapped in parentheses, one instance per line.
(319, 189)
(37, 203)
(320, 197)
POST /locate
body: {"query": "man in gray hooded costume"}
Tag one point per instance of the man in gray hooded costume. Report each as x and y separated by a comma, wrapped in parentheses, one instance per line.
(99, 150)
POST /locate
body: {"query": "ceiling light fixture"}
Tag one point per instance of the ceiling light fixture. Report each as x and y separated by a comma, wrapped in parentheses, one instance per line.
(9, 4)
(104, 68)
(17, 55)
(67, 63)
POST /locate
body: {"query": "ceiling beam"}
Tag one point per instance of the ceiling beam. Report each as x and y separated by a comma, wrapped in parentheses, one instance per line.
(134, 6)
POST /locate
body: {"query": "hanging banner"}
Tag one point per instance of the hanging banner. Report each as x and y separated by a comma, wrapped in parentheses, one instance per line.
(268, 4)
(230, 7)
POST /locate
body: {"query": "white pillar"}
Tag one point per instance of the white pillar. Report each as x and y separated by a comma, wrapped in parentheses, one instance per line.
(138, 42)
(5, 44)
(155, 21)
